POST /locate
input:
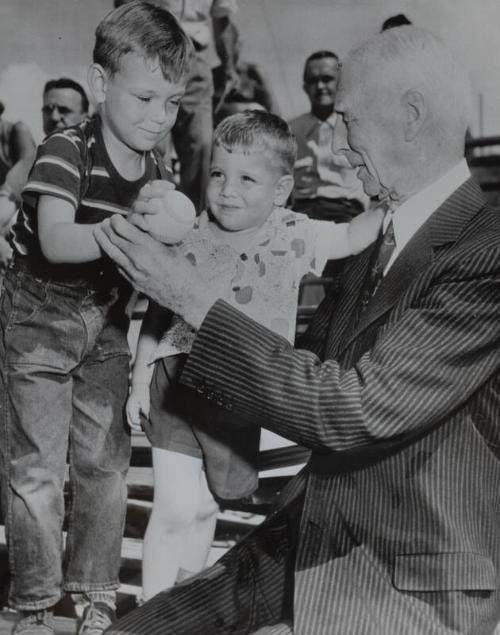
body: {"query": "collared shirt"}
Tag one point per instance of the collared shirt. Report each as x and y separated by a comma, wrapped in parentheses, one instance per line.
(318, 171)
(412, 214)
(195, 16)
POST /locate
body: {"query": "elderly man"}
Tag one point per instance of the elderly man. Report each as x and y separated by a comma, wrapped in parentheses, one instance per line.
(392, 527)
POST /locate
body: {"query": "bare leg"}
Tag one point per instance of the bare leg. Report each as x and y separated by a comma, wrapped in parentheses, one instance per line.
(249, 588)
(200, 539)
(177, 497)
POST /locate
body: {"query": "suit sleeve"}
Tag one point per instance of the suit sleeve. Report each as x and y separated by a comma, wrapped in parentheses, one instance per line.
(425, 364)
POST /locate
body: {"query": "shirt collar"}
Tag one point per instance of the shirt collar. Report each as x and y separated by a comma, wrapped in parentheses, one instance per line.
(315, 122)
(412, 214)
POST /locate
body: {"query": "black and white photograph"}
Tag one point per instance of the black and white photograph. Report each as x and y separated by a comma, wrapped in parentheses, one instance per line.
(249, 317)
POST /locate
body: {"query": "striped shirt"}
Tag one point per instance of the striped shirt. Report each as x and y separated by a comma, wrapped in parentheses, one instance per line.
(85, 177)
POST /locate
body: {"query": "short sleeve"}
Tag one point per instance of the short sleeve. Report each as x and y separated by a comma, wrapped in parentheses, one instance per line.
(57, 170)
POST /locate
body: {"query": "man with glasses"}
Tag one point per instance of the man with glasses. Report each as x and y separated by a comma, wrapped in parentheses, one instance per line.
(326, 186)
(65, 103)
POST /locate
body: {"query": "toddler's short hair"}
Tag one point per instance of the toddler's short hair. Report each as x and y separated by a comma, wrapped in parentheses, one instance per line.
(148, 30)
(259, 128)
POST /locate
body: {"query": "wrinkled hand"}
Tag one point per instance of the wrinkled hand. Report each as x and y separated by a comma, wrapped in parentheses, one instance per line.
(158, 271)
(138, 403)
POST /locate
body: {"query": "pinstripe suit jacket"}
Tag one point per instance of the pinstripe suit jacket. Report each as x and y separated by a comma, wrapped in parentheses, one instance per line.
(400, 527)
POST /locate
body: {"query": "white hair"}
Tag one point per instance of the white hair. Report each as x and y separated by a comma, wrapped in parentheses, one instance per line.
(411, 58)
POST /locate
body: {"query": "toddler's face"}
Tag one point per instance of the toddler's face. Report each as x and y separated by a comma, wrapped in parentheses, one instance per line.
(244, 187)
(139, 105)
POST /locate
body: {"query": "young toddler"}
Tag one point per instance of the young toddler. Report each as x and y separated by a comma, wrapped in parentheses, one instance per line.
(256, 252)
(64, 358)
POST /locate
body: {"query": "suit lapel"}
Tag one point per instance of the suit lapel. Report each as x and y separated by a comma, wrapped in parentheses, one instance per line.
(444, 226)
(341, 320)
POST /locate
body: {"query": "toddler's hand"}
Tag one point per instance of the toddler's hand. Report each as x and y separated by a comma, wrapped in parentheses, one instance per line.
(163, 212)
(145, 203)
(153, 189)
(138, 403)
(364, 229)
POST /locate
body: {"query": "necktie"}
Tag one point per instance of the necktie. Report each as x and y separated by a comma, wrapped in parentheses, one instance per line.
(384, 249)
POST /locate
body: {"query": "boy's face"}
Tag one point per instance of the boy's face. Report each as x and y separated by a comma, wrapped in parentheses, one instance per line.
(244, 187)
(138, 105)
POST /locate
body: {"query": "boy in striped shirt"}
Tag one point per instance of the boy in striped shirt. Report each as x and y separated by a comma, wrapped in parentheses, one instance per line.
(63, 329)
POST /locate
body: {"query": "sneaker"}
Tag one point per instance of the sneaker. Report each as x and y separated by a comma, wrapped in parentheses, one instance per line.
(96, 619)
(35, 623)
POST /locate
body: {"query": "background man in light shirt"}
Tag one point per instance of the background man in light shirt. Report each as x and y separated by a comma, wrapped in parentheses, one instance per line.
(392, 527)
(326, 186)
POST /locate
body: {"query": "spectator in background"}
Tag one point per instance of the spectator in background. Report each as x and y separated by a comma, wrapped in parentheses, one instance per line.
(326, 186)
(17, 153)
(65, 103)
(252, 85)
(207, 22)
(234, 103)
(395, 20)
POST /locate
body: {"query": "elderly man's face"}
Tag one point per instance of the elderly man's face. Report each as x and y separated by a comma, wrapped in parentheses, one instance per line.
(366, 131)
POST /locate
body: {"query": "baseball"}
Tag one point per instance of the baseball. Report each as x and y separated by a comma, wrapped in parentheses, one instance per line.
(174, 217)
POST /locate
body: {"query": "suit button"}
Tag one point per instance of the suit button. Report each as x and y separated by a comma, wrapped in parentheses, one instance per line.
(201, 388)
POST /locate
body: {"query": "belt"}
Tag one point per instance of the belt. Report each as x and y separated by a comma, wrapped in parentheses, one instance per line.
(98, 274)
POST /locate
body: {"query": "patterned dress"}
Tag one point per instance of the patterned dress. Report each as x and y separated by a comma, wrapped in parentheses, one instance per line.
(263, 280)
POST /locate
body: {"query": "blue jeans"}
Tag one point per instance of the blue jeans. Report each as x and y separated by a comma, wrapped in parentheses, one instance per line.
(64, 365)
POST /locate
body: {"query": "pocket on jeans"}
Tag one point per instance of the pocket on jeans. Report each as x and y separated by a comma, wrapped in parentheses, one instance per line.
(29, 299)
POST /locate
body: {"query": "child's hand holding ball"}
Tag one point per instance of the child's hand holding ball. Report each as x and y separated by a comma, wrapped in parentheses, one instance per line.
(165, 213)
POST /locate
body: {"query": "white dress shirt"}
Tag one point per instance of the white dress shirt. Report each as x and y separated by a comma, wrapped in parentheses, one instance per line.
(412, 214)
